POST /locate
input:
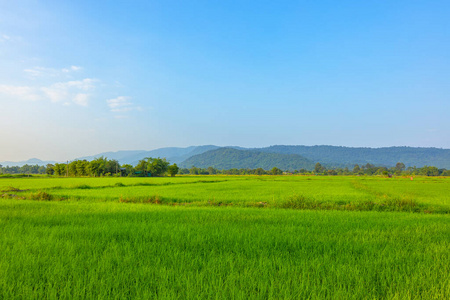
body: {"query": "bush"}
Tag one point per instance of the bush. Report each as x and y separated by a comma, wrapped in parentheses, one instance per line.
(41, 196)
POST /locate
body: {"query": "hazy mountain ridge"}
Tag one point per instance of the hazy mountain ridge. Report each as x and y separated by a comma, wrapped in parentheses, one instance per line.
(385, 156)
(118, 155)
(331, 156)
(229, 158)
(31, 161)
(172, 154)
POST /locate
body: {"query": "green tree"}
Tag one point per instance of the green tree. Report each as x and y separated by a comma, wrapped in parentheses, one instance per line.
(97, 166)
(152, 166)
(332, 172)
(59, 169)
(42, 170)
(211, 171)
(400, 166)
(129, 170)
(82, 167)
(276, 171)
(184, 171)
(49, 169)
(157, 166)
(429, 171)
(172, 170)
(73, 168)
(260, 171)
(141, 167)
(382, 171)
(318, 168)
(112, 166)
(194, 171)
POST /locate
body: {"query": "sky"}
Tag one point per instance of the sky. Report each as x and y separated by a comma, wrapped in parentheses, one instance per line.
(82, 77)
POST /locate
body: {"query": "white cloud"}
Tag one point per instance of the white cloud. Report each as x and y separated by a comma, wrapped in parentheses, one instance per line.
(85, 84)
(55, 94)
(35, 72)
(22, 92)
(76, 91)
(120, 104)
(4, 38)
(81, 99)
(51, 72)
(71, 69)
(70, 90)
(10, 39)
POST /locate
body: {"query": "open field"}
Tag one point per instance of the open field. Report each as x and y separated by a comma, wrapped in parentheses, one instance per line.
(91, 245)
(426, 194)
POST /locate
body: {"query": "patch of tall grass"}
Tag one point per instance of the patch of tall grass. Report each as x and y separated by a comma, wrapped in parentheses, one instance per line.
(112, 250)
(294, 192)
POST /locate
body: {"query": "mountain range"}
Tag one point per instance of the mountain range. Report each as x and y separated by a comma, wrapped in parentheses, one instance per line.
(281, 156)
(229, 158)
(31, 161)
(173, 154)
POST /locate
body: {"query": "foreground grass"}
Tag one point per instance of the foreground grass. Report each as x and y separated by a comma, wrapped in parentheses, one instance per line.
(136, 251)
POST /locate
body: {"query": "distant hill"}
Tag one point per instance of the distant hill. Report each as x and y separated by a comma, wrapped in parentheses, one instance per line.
(172, 154)
(118, 155)
(31, 161)
(349, 156)
(292, 157)
(228, 158)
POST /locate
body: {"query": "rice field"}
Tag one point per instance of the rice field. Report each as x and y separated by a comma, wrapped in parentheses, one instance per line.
(423, 194)
(210, 237)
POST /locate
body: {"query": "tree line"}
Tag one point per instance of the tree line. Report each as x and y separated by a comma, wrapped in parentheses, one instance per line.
(161, 167)
(319, 169)
(25, 169)
(104, 167)
(98, 167)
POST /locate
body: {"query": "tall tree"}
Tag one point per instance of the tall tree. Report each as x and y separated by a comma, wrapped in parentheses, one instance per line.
(400, 166)
(157, 166)
(49, 170)
(97, 166)
(318, 168)
(152, 166)
(172, 170)
(276, 171)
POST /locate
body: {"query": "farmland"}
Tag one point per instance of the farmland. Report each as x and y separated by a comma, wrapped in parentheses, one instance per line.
(336, 192)
(225, 237)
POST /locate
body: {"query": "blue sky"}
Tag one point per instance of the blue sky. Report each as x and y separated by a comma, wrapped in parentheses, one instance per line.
(82, 77)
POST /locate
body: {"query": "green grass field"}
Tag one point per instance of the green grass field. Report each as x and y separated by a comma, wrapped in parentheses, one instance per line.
(424, 194)
(225, 237)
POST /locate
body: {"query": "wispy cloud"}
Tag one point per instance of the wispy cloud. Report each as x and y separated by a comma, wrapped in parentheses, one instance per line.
(76, 91)
(4, 38)
(81, 99)
(48, 84)
(72, 69)
(120, 104)
(21, 92)
(39, 72)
